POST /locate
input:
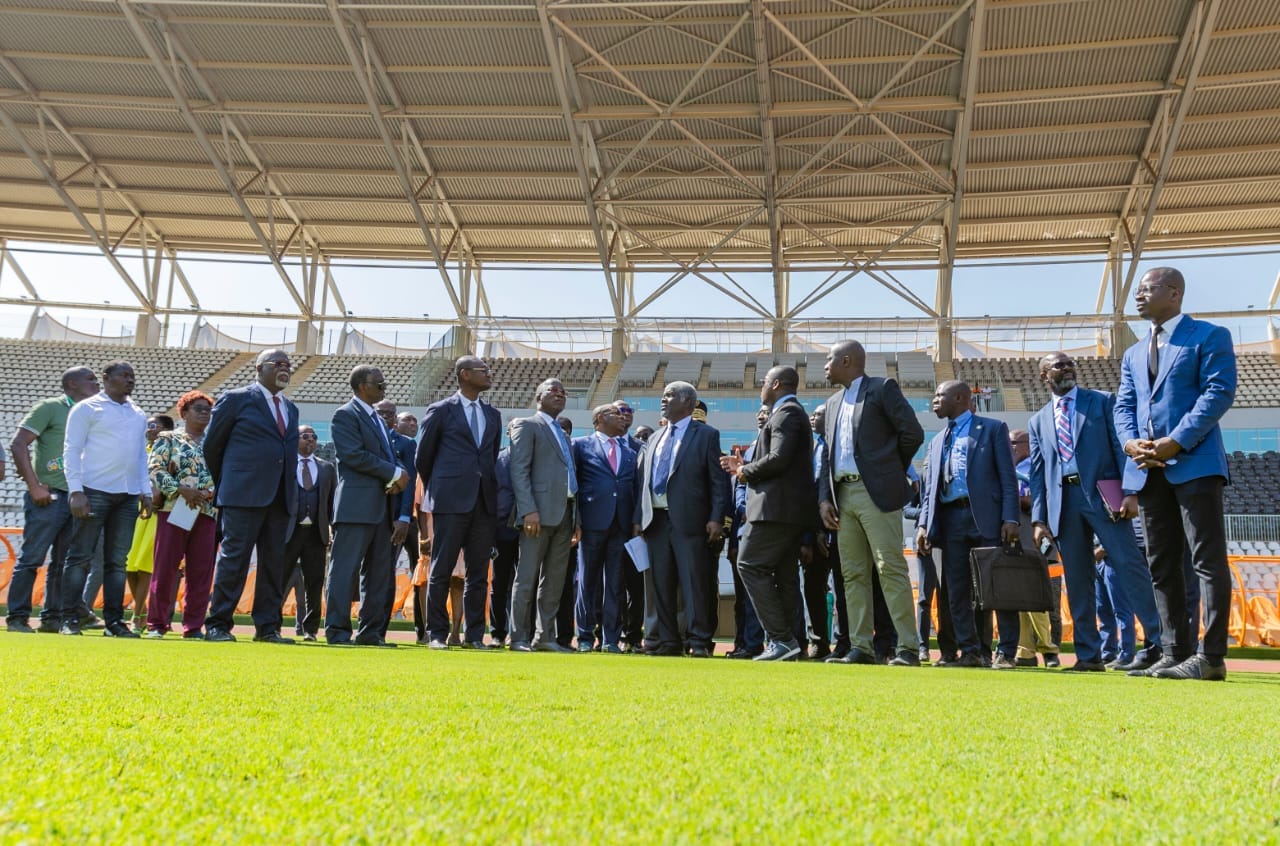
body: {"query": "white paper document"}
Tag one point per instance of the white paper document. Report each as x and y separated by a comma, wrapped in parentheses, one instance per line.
(183, 516)
(639, 551)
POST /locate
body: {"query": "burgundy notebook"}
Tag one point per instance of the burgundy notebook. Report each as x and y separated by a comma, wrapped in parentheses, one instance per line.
(1112, 494)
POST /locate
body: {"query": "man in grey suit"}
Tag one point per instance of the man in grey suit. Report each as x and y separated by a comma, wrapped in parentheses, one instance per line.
(781, 505)
(871, 436)
(368, 480)
(681, 504)
(544, 485)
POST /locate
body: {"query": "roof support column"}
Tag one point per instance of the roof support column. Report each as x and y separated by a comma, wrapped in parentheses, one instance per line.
(945, 350)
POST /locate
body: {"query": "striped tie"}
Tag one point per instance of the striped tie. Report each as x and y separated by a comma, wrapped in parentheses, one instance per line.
(1062, 422)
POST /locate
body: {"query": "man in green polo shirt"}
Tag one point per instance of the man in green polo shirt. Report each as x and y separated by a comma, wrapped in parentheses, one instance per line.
(47, 516)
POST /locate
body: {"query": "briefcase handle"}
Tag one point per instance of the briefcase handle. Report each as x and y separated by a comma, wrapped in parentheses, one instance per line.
(1014, 547)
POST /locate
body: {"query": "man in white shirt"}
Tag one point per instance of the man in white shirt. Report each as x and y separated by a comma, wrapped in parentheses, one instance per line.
(105, 458)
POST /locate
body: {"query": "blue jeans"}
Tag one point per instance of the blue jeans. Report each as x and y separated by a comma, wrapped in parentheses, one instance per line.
(112, 516)
(1115, 616)
(44, 527)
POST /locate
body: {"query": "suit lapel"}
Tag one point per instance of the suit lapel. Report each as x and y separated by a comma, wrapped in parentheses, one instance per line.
(691, 427)
(371, 427)
(1172, 350)
(857, 405)
(1079, 416)
(260, 402)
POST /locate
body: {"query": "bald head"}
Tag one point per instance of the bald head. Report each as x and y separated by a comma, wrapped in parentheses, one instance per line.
(846, 362)
(951, 399)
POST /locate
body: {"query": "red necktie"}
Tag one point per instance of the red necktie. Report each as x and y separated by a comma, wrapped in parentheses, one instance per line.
(613, 455)
(279, 417)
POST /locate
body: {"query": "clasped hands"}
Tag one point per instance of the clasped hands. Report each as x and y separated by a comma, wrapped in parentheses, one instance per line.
(1147, 453)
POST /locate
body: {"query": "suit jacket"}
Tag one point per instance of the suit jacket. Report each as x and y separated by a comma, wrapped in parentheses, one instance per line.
(365, 465)
(249, 459)
(605, 499)
(539, 471)
(886, 437)
(326, 481)
(1098, 454)
(993, 485)
(506, 499)
(1194, 387)
(405, 450)
(697, 489)
(779, 476)
(457, 475)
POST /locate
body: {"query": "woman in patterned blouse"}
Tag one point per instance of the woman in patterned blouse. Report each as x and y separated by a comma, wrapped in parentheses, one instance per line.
(178, 469)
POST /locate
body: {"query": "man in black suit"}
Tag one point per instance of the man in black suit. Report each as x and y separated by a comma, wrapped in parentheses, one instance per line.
(782, 501)
(681, 503)
(407, 425)
(252, 449)
(369, 482)
(305, 552)
(404, 529)
(871, 434)
(507, 543)
(457, 459)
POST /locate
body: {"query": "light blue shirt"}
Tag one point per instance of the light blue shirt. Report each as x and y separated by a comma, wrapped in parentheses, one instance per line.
(1066, 468)
(846, 463)
(955, 461)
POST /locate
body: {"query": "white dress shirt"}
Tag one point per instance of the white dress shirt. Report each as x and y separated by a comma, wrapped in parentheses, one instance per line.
(845, 462)
(466, 412)
(105, 447)
(671, 430)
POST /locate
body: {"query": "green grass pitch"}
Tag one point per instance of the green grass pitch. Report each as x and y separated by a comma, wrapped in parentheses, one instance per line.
(186, 742)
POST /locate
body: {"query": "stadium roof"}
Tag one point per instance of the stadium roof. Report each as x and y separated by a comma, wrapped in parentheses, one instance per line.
(694, 136)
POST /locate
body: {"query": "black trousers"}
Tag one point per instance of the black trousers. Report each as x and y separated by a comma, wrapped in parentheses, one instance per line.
(768, 564)
(504, 573)
(471, 534)
(1173, 518)
(410, 546)
(304, 567)
(679, 564)
(243, 529)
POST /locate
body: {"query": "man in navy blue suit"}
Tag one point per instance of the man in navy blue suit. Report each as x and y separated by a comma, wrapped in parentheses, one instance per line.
(252, 449)
(404, 447)
(1174, 388)
(457, 456)
(369, 484)
(1073, 448)
(971, 500)
(606, 467)
(507, 543)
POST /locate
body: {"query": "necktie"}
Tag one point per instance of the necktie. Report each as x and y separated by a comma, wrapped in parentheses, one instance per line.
(948, 474)
(474, 422)
(1153, 352)
(613, 455)
(663, 468)
(275, 398)
(1066, 447)
(307, 482)
(568, 457)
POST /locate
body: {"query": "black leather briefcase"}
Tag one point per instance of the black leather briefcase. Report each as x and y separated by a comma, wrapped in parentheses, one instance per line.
(1009, 578)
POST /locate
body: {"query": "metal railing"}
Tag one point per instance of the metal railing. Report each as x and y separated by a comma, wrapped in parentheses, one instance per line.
(1253, 527)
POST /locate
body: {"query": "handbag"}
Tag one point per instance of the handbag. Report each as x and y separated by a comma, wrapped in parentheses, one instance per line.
(1009, 578)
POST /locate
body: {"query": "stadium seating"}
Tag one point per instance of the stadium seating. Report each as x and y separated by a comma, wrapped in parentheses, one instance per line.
(247, 372)
(515, 379)
(331, 381)
(639, 370)
(1258, 381)
(728, 370)
(915, 370)
(684, 367)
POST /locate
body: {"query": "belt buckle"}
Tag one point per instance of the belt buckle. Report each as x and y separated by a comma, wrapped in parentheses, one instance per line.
(1073, 479)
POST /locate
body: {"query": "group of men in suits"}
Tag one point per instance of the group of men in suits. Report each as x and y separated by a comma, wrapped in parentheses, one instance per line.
(830, 489)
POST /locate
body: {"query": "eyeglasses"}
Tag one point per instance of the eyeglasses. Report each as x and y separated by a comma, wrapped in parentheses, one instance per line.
(381, 384)
(625, 409)
(1147, 290)
(277, 364)
(306, 436)
(1062, 365)
(481, 369)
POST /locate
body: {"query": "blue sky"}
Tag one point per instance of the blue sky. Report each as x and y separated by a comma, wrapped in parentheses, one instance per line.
(1215, 282)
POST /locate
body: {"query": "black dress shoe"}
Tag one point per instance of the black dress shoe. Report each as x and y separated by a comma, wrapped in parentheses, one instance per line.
(273, 637)
(945, 661)
(699, 652)
(195, 635)
(219, 636)
(741, 655)
(840, 650)
(1144, 660)
(857, 656)
(1196, 667)
(1086, 667)
(905, 659)
(969, 659)
(1164, 663)
(475, 644)
(551, 646)
(119, 630)
(664, 652)
(1026, 662)
(520, 646)
(1051, 659)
